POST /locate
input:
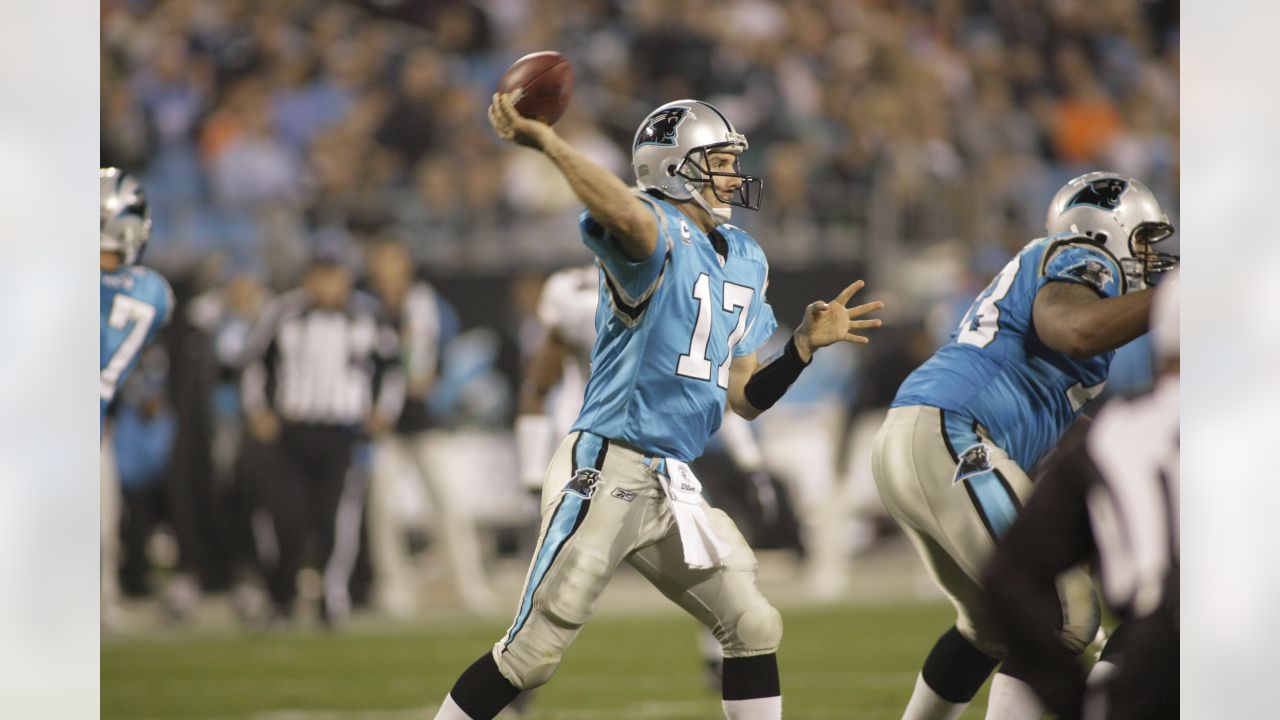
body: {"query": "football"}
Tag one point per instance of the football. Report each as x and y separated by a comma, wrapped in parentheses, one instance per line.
(546, 78)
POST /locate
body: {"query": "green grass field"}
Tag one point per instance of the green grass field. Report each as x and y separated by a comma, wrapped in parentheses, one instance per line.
(847, 662)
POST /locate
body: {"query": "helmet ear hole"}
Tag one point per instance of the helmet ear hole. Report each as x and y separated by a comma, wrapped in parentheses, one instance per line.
(671, 170)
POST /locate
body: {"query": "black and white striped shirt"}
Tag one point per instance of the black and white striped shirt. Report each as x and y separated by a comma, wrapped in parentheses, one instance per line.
(318, 365)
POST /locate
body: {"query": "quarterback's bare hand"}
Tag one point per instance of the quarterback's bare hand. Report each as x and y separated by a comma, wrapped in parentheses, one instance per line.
(827, 323)
(511, 125)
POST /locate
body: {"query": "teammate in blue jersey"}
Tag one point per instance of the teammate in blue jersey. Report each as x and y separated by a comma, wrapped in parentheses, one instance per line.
(682, 311)
(952, 457)
(135, 301)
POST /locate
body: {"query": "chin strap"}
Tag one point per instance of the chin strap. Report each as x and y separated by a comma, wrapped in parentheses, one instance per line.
(719, 215)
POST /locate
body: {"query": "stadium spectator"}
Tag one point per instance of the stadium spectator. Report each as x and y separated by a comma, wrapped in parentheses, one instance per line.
(917, 86)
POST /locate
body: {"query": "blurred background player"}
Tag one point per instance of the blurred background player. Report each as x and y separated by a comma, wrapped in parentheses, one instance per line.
(800, 439)
(424, 322)
(221, 320)
(142, 430)
(135, 303)
(952, 458)
(662, 373)
(322, 373)
(1107, 495)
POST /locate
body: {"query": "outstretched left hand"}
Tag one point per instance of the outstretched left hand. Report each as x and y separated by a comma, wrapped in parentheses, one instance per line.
(827, 323)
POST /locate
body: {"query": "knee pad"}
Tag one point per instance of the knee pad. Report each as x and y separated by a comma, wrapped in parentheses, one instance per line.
(525, 674)
(758, 630)
(569, 597)
(535, 654)
(537, 675)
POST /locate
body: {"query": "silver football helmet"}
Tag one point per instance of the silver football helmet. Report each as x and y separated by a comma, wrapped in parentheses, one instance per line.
(670, 151)
(1120, 214)
(126, 219)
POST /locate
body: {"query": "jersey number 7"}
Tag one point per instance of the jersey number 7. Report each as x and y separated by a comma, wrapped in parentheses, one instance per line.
(125, 310)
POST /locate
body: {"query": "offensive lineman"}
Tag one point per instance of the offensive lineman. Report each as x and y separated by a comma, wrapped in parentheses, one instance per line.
(681, 313)
(951, 459)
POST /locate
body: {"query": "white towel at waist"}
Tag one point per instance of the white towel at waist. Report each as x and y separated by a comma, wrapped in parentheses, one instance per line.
(703, 549)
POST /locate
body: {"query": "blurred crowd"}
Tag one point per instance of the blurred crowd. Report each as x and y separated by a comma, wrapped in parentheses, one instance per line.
(915, 142)
(255, 126)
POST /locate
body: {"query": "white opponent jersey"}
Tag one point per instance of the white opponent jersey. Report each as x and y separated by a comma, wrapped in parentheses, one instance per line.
(567, 307)
(1134, 508)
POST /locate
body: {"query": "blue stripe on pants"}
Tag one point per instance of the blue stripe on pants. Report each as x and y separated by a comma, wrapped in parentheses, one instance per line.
(991, 495)
(588, 452)
(563, 522)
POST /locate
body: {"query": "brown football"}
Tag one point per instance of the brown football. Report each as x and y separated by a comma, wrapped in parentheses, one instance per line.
(547, 80)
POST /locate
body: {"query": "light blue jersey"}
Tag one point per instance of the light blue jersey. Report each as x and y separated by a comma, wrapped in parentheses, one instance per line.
(997, 371)
(667, 328)
(135, 303)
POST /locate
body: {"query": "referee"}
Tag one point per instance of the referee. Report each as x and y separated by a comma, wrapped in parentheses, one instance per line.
(321, 372)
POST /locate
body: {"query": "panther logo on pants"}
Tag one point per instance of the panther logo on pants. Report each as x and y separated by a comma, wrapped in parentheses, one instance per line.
(584, 482)
(975, 460)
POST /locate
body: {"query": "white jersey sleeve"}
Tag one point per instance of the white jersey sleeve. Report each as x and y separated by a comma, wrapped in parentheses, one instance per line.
(567, 306)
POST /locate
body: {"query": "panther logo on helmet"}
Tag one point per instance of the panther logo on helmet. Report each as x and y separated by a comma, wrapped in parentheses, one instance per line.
(1104, 193)
(660, 127)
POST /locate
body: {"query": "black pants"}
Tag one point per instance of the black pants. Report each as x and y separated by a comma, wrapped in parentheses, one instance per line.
(301, 488)
(141, 510)
(1147, 653)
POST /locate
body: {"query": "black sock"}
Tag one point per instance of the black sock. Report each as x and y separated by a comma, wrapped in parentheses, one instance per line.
(955, 669)
(748, 678)
(482, 691)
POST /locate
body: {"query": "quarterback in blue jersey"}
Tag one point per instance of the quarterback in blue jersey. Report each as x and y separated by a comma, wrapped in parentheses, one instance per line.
(952, 457)
(135, 301)
(682, 312)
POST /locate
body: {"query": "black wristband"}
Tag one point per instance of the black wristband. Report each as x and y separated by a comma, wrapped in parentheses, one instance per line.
(769, 382)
